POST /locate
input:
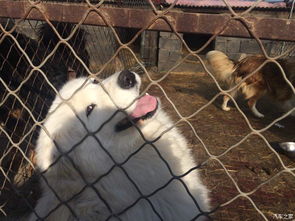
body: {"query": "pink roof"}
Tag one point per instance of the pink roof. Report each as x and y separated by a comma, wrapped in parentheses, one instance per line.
(232, 3)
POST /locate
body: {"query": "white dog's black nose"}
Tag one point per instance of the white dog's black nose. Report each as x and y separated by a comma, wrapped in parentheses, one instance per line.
(126, 79)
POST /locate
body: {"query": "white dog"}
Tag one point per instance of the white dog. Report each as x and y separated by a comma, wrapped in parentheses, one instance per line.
(96, 164)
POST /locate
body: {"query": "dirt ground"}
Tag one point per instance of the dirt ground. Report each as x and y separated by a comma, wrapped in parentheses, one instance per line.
(254, 168)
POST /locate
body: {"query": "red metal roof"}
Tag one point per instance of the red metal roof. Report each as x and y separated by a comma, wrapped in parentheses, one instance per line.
(221, 4)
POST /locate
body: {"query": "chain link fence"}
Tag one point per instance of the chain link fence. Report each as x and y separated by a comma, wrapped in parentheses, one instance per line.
(44, 44)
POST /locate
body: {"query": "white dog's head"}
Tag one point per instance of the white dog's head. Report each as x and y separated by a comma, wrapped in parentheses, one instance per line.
(90, 120)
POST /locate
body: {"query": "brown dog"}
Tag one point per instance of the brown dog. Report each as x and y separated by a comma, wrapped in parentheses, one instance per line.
(267, 80)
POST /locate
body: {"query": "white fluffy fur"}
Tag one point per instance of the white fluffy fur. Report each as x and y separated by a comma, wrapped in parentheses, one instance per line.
(145, 168)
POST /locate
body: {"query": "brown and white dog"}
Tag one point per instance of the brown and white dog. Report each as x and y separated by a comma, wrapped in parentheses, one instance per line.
(268, 80)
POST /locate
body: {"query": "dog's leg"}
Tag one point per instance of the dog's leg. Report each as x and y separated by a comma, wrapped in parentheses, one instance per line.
(252, 105)
(224, 104)
(226, 100)
(288, 105)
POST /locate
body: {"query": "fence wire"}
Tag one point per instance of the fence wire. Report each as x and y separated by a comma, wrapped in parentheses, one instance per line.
(38, 57)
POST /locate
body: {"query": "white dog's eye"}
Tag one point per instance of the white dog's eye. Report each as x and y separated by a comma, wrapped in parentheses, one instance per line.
(89, 109)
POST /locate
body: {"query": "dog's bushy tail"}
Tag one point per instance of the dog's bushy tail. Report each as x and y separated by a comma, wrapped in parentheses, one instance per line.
(220, 64)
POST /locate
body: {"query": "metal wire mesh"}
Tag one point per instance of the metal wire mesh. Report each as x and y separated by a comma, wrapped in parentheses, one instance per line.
(34, 66)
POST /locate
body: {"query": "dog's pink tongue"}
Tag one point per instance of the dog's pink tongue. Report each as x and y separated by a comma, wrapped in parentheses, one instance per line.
(144, 105)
